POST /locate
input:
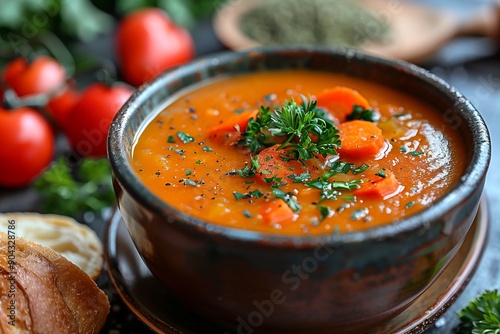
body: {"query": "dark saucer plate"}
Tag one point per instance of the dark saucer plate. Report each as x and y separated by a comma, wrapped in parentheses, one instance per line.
(154, 306)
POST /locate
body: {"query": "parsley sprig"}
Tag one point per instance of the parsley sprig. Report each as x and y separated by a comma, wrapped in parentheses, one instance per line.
(482, 315)
(298, 123)
(256, 135)
(74, 191)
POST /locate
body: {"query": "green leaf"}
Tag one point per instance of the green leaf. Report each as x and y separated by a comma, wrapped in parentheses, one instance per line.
(238, 195)
(256, 193)
(247, 214)
(246, 171)
(190, 182)
(207, 149)
(360, 169)
(90, 191)
(185, 138)
(82, 19)
(363, 114)
(482, 315)
(288, 198)
(179, 11)
(409, 205)
(416, 153)
(128, 6)
(324, 211)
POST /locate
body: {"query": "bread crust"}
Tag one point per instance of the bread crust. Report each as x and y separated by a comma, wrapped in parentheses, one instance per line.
(50, 294)
(75, 241)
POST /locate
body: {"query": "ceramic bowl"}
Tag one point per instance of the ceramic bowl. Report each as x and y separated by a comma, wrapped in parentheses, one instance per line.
(256, 282)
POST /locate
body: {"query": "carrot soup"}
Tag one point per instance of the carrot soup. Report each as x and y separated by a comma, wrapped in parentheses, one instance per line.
(298, 153)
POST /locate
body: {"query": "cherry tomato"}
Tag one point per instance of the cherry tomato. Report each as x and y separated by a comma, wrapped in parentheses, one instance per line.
(43, 75)
(27, 144)
(88, 122)
(148, 43)
(61, 105)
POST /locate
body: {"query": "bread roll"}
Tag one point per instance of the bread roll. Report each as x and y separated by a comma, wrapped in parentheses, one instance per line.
(73, 240)
(42, 292)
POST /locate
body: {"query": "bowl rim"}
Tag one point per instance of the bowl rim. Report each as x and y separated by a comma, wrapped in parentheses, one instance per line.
(473, 176)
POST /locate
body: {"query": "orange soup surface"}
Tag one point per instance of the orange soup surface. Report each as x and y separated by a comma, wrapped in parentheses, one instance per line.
(247, 152)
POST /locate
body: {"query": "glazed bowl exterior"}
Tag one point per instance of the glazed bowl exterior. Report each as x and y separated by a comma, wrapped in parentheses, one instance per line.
(257, 282)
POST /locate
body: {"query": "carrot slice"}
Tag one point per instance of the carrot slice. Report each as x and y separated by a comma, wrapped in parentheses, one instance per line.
(273, 165)
(276, 212)
(340, 101)
(360, 139)
(229, 125)
(379, 186)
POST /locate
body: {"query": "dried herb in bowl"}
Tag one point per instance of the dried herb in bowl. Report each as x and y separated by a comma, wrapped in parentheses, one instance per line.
(317, 22)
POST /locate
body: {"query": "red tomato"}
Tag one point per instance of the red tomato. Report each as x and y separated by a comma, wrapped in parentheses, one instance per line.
(61, 105)
(148, 42)
(88, 122)
(27, 144)
(43, 75)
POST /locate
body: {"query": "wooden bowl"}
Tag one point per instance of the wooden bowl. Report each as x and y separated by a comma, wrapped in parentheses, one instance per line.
(341, 283)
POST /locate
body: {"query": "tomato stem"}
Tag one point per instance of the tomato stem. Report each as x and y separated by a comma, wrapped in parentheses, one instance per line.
(107, 74)
(12, 101)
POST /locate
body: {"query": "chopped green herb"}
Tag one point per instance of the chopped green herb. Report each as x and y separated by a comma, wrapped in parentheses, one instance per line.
(256, 193)
(190, 183)
(171, 139)
(288, 198)
(256, 135)
(409, 205)
(324, 211)
(302, 178)
(359, 214)
(198, 162)
(179, 151)
(188, 172)
(185, 138)
(349, 198)
(255, 162)
(346, 185)
(338, 167)
(238, 195)
(360, 169)
(361, 113)
(381, 173)
(247, 214)
(416, 153)
(273, 179)
(342, 207)
(246, 172)
(403, 149)
(207, 149)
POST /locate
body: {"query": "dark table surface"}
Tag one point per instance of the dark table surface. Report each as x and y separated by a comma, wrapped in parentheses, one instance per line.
(472, 65)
